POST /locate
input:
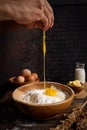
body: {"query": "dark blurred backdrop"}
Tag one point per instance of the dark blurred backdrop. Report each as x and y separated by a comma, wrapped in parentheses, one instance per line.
(66, 45)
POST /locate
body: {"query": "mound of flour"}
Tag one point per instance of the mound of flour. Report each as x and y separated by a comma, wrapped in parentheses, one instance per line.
(39, 97)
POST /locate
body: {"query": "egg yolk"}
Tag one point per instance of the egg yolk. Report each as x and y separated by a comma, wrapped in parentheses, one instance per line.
(51, 91)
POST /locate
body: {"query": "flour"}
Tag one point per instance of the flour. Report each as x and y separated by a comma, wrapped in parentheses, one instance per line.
(39, 97)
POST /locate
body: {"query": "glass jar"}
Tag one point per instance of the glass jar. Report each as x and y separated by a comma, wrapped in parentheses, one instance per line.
(80, 72)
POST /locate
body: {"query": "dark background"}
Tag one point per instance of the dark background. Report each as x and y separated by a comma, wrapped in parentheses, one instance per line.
(66, 45)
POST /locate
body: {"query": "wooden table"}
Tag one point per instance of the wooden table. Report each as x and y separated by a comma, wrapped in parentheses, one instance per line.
(12, 119)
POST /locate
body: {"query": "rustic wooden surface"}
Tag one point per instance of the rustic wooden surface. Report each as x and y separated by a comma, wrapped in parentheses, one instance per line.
(12, 119)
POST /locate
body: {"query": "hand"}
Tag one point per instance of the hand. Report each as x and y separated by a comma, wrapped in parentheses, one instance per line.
(31, 13)
(46, 18)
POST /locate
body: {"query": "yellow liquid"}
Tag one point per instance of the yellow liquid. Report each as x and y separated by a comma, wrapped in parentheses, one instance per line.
(49, 91)
(44, 56)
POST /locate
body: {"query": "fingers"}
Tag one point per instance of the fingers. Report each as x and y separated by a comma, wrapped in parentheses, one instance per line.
(37, 24)
(51, 13)
(45, 16)
(39, 15)
(48, 17)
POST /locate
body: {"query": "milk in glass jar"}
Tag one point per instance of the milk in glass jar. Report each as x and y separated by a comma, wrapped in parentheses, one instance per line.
(80, 72)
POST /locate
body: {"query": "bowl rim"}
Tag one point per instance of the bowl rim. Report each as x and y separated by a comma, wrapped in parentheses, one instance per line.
(49, 104)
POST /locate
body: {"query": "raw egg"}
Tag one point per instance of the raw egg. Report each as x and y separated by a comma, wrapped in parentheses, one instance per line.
(51, 91)
(20, 79)
(26, 72)
(30, 78)
(35, 75)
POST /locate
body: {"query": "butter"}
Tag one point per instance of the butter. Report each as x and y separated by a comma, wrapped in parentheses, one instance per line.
(75, 83)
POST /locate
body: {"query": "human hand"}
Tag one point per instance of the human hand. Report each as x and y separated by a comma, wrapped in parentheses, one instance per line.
(31, 13)
(46, 16)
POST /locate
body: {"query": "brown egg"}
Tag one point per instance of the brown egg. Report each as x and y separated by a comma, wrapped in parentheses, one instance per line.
(30, 78)
(35, 75)
(20, 79)
(26, 72)
(27, 79)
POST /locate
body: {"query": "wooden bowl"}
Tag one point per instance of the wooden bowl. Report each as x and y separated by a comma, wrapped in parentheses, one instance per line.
(13, 81)
(76, 89)
(42, 111)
